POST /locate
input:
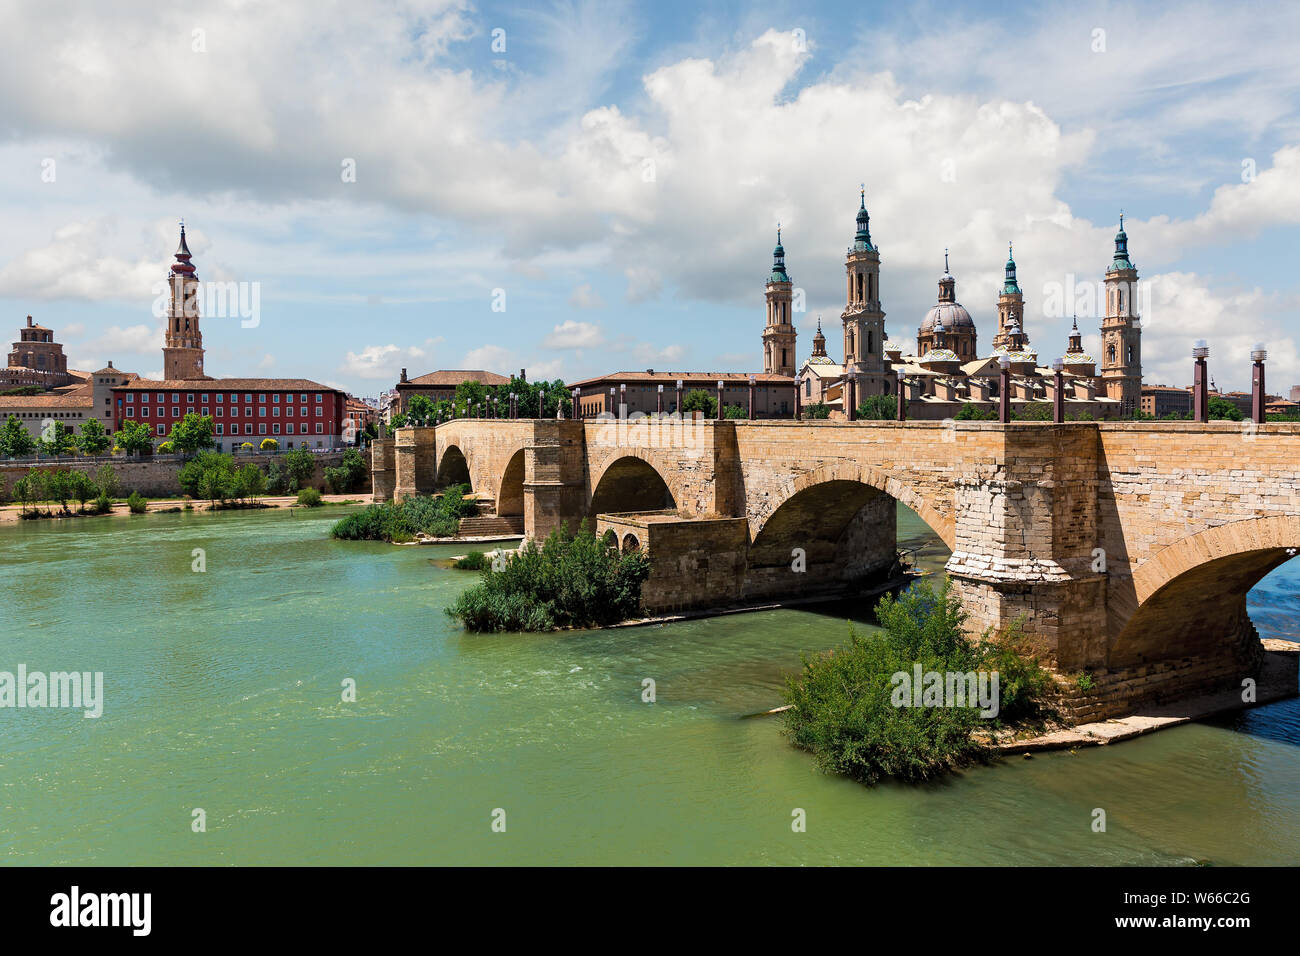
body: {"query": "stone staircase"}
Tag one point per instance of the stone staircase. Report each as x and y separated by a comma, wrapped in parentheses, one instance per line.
(491, 526)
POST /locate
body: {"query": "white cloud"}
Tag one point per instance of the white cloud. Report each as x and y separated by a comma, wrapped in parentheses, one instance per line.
(381, 361)
(132, 340)
(574, 335)
(583, 297)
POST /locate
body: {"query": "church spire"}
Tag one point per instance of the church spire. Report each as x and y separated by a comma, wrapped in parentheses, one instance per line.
(182, 265)
(1010, 286)
(1121, 261)
(862, 238)
(778, 260)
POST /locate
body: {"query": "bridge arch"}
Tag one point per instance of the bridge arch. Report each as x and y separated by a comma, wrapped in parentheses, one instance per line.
(1190, 598)
(510, 490)
(453, 468)
(857, 474)
(634, 481)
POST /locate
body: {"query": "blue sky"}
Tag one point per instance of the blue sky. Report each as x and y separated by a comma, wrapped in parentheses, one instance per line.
(618, 172)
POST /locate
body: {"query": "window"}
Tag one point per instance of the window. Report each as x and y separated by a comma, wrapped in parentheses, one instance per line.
(288, 428)
(248, 396)
(319, 397)
(275, 412)
(261, 397)
(261, 411)
(219, 411)
(221, 397)
(261, 428)
(205, 397)
(234, 411)
(220, 428)
(319, 411)
(275, 429)
(130, 410)
(204, 410)
(144, 411)
(320, 429)
(161, 398)
(162, 429)
(189, 397)
(248, 428)
(176, 396)
(176, 411)
(276, 398)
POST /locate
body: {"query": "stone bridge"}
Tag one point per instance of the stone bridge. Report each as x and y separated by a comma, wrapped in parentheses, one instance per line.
(1127, 549)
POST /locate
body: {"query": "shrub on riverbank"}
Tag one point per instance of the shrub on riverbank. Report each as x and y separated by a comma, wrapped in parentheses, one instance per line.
(137, 504)
(474, 561)
(310, 498)
(844, 703)
(403, 520)
(572, 580)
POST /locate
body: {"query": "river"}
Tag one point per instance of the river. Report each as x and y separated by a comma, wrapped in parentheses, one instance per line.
(223, 693)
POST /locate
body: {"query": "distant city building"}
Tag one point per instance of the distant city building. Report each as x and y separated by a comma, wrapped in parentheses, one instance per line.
(357, 414)
(440, 386)
(946, 370)
(641, 391)
(36, 359)
(1295, 393)
(1162, 400)
(1282, 407)
(296, 412)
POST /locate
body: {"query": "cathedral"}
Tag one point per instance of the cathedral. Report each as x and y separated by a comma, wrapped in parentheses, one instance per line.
(945, 369)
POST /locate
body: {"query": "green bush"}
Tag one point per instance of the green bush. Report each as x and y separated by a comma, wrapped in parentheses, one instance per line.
(971, 412)
(572, 580)
(402, 521)
(843, 712)
(735, 411)
(878, 408)
(817, 410)
(698, 400)
(103, 505)
(310, 497)
(348, 476)
(474, 561)
(136, 503)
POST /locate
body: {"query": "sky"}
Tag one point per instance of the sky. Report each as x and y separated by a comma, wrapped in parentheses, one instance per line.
(581, 188)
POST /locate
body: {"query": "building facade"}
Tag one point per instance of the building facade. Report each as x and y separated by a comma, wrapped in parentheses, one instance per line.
(36, 359)
(296, 412)
(641, 392)
(441, 385)
(779, 351)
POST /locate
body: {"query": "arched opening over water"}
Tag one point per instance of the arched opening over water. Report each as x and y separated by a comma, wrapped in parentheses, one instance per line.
(510, 496)
(1190, 599)
(630, 544)
(631, 484)
(452, 468)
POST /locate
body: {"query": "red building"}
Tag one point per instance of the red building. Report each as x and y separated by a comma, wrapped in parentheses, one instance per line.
(296, 412)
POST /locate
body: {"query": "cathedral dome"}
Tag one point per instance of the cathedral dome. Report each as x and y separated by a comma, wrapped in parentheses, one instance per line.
(1078, 358)
(954, 316)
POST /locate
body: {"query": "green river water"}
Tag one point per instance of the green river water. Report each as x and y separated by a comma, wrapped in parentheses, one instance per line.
(223, 691)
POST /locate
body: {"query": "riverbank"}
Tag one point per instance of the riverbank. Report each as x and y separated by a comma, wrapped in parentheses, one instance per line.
(11, 514)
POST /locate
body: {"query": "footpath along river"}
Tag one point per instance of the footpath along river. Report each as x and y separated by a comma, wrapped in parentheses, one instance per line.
(222, 692)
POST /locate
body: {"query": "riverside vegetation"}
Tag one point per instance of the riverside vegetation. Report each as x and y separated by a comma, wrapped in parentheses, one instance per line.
(572, 580)
(400, 521)
(842, 711)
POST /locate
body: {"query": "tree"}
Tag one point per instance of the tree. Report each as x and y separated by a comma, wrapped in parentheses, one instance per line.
(81, 487)
(248, 482)
(970, 412)
(192, 474)
(58, 487)
(15, 440)
(269, 444)
(135, 437)
(421, 410)
(879, 408)
(1033, 412)
(93, 440)
(56, 439)
(1224, 410)
(735, 411)
(817, 410)
(350, 475)
(299, 466)
(107, 480)
(398, 421)
(192, 433)
(215, 484)
(698, 400)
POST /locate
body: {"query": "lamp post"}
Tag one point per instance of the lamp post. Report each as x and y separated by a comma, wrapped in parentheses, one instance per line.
(850, 395)
(902, 396)
(613, 405)
(660, 409)
(679, 396)
(576, 416)
(1257, 355)
(719, 399)
(798, 386)
(1058, 393)
(1201, 381)
(752, 389)
(1004, 389)
(622, 401)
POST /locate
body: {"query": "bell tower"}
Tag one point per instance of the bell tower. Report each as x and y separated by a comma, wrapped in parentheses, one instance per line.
(779, 334)
(1121, 331)
(183, 342)
(1011, 305)
(864, 322)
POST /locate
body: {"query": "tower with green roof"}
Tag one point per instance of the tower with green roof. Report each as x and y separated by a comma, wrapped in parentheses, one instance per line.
(863, 319)
(1011, 306)
(1121, 330)
(779, 333)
